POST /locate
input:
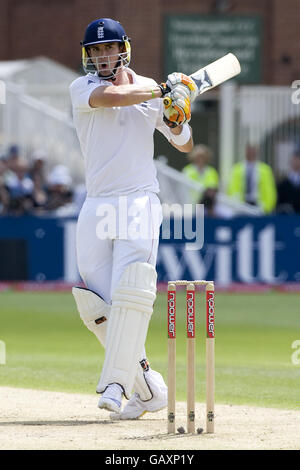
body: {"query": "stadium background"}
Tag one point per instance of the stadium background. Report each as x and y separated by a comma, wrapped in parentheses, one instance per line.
(253, 257)
(58, 28)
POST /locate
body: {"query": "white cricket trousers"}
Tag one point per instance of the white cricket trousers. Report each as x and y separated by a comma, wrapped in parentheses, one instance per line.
(112, 233)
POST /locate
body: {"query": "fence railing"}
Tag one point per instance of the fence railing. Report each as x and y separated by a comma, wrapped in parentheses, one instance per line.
(177, 188)
(264, 116)
(34, 124)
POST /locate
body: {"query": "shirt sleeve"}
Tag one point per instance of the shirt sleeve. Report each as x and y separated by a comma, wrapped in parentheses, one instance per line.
(80, 92)
(160, 125)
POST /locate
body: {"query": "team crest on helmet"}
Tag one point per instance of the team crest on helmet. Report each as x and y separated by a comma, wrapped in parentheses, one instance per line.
(100, 32)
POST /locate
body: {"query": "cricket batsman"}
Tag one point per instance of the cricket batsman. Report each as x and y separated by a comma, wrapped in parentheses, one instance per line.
(115, 113)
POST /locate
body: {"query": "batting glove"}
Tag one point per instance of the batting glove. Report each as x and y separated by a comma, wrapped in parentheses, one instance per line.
(179, 79)
(177, 108)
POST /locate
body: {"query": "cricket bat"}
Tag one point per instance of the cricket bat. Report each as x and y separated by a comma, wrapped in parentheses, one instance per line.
(213, 74)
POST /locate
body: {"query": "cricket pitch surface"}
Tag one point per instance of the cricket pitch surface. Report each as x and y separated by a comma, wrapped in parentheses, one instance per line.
(34, 419)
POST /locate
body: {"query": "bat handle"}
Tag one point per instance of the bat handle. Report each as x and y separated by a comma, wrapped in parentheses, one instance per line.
(167, 102)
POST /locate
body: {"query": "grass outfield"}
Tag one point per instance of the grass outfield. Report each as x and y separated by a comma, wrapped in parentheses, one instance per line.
(49, 348)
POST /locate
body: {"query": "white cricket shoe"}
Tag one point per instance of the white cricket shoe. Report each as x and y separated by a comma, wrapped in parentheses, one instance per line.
(136, 408)
(112, 398)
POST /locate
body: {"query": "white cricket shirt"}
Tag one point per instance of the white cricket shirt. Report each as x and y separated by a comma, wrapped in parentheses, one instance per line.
(117, 143)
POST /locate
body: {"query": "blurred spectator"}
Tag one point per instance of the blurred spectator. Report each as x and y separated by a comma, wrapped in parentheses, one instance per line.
(20, 188)
(24, 189)
(37, 173)
(289, 188)
(13, 153)
(39, 193)
(4, 195)
(253, 182)
(11, 159)
(199, 169)
(39, 158)
(59, 191)
(213, 208)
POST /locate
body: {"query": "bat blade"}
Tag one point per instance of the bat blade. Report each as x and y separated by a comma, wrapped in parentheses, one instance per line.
(213, 74)
(216, 73)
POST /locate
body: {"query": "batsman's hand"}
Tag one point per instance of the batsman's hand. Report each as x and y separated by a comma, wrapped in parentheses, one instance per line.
(177, 108)
(177, 79)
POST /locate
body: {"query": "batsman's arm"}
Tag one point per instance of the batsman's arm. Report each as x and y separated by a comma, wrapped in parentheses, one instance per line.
(188, 146)
(122, 95)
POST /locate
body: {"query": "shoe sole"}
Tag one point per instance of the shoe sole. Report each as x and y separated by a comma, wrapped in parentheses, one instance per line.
(108, 407)
(137, 417)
